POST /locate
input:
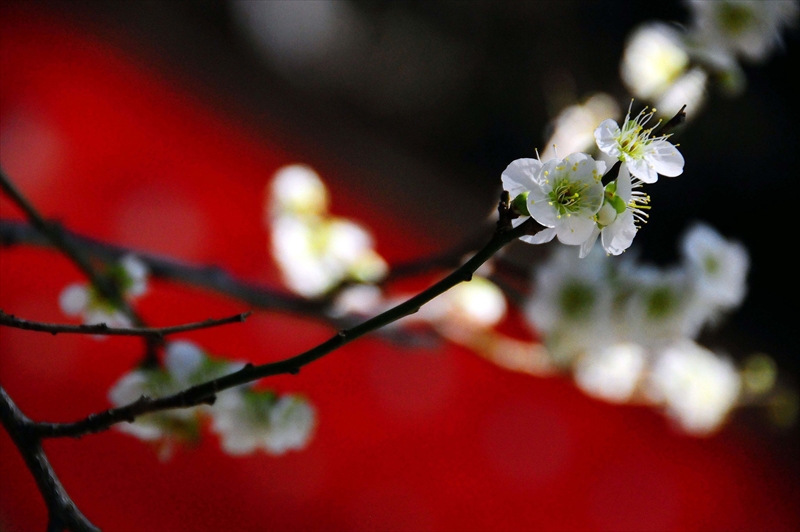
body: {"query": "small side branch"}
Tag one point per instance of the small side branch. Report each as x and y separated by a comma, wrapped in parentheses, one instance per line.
(104, 330)
(63, 514)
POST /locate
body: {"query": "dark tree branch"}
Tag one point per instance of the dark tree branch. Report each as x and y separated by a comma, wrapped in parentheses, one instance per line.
(104, 330)
(55, 235)
(62, 512)
(206, 392)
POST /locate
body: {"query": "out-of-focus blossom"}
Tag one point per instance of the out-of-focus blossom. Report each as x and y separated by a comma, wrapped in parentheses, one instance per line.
(697, 387)
(314, 250)
(747, 28)
(573, 128)
(611, 372)
(689, 90)
(655, 58)
(657, 311)
(297, 189)
(248, 420)
(719, 266)
(83, 300)
(645, 156)
(185, 364)
(571, 304)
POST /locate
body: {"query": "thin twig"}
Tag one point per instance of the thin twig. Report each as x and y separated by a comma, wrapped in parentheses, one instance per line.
(206, 277)
(205, 393)
(62, 511)
(104, 330)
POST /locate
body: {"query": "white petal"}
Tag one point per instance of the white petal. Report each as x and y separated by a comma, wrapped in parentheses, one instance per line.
(641, 168)
(543, 236)
(182, 360)
(519, 176)
(542, 212)
(606, 136)
(624, 184)
(575, 230)
(618, 236)
(666, 160)
(74, 299)
(587, 246)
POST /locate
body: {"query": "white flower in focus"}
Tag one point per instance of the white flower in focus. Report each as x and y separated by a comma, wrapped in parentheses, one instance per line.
(719, 266)
(623, 206)
(611, 373)
(750, 28)
(697, 387)
(247, 420)
(297, 190)
(567, 195)
(645, 156)
(654, 58)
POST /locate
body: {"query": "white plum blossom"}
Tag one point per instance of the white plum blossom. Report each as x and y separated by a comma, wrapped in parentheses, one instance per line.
(748, 28)
(611, 372)
(719, 266)
(655, 58)
(623, 207)
(572, 303)
(573, 128)
(84, 301)
(314, 250)
(697, 387)
(567, 194)
(185, 364)
(645, 156)
(248, 420)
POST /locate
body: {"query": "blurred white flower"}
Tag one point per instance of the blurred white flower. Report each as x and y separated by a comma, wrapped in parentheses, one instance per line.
(573, 128)
(297, 189)
(566, 196)
(719, 266)
(248, 420)
(612, 372)
(697, 387)
(657, 311)
(655, 57)
(83, 300)
(571, 305)
(185, 364)
(645, 156)
(478, 304)
(316, 251)
(749, 28)
(689, 90)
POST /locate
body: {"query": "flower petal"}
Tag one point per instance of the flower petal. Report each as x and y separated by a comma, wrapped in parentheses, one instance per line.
(606, 136)
(641, 168)
(519, 176)
(574, 230)
(666, 159)
(587, 246)
(618, 236)
(543, 236)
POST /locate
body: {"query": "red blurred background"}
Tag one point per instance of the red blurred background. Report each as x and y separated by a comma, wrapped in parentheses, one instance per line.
(125, 148)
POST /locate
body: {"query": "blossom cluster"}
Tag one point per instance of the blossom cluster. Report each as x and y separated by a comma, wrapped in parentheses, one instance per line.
(628, 331)
(568, 196)
(85, 301)
(244, 418)
(671, 66)
(315, 250)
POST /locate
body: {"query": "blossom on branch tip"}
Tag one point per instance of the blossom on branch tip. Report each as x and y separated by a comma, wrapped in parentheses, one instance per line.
(84, 300)
(645, 156)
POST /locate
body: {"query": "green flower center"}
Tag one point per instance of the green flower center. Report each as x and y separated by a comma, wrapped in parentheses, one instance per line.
(568, 196)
